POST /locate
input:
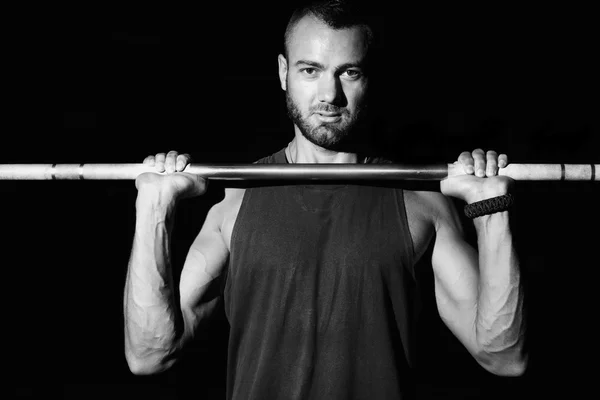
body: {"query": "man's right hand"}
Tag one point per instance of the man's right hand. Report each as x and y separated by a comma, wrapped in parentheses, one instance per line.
(170, 183)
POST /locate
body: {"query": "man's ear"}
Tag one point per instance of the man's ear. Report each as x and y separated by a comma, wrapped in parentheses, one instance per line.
(283, 69)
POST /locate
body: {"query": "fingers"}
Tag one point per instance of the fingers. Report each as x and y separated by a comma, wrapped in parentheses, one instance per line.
(159, 162)
(491, 168)
(502, 160)
(176, 162)
(495, 162)
(466, 160)
(182, 161)
(149, 161)
(168, 162)
(479, 158)
(482, 163)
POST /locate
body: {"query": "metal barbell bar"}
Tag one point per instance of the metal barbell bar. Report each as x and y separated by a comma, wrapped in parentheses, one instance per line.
(521, 172)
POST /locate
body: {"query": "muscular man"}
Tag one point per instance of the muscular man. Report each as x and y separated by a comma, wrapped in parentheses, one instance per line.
(318, 277)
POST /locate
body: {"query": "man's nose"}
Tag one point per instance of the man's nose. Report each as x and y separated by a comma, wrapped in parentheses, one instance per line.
(329, 90)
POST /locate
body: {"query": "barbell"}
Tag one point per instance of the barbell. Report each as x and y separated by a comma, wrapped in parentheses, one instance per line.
(429, 172)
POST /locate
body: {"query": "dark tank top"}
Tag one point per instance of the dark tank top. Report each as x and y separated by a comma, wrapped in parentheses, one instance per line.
(319, 293)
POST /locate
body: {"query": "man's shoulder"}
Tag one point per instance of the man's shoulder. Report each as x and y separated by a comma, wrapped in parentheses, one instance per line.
(234, 195)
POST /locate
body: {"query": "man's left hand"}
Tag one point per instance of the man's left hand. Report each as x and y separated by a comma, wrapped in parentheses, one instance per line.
(481, 180)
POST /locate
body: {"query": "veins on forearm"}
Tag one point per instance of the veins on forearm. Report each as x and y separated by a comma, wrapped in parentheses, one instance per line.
(500, 325)
(500, 305)
(151, 309)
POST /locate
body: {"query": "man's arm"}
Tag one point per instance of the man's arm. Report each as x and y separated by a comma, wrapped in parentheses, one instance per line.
(157, 326)
(478, 292)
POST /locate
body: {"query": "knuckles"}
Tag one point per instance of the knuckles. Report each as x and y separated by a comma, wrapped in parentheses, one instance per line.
(169, 162)
(482, 159)
(168, 176)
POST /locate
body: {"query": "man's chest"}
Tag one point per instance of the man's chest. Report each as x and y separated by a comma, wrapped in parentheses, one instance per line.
(420, 227)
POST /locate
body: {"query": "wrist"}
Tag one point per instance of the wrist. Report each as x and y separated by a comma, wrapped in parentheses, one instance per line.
(156, 200)
(488, 206)
(485, 220)
(493, 230)
(486, 193)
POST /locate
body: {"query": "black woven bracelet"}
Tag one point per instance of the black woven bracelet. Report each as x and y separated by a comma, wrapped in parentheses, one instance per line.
(489, 206)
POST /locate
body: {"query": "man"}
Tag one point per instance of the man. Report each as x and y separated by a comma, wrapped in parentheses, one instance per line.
(318, 276)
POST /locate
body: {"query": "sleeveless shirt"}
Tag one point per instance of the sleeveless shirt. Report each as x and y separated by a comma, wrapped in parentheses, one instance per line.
(319, 293)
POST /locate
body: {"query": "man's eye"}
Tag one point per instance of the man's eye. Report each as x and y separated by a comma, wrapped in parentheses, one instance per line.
(352, 73)
(308, 71)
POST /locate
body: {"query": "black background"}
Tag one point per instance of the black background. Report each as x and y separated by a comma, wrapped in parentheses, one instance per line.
(140, 80)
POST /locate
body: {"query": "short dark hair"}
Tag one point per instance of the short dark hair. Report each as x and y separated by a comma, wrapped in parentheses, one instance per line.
(337, 14)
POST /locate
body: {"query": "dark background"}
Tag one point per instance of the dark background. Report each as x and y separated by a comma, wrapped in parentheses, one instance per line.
(140, 80)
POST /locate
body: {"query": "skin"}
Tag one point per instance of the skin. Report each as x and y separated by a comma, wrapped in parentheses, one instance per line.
(325, 83)
(477, 290)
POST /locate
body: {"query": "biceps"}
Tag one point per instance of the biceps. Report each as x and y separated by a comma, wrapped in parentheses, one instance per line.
(455, 270)
(199, 284)
(456, 287)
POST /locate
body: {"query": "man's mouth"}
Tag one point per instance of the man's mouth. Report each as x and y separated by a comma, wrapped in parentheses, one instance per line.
(329, 114)
(328, 117)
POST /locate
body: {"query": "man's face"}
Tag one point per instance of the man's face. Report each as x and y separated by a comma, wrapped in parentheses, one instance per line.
(325, 81)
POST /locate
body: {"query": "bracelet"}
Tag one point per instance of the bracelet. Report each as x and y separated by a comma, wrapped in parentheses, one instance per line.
(489, 206)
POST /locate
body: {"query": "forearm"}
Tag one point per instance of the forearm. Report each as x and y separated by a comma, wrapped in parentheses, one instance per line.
(499, 322)
(152, 317)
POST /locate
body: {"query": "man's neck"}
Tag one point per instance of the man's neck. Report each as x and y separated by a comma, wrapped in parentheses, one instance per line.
(301, 151)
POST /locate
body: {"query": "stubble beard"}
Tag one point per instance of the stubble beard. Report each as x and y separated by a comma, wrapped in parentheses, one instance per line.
(336, 136)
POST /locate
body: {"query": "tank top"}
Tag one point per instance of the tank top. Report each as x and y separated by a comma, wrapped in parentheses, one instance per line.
(319, 293)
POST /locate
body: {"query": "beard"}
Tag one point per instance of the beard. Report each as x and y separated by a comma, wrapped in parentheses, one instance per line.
(335, 136)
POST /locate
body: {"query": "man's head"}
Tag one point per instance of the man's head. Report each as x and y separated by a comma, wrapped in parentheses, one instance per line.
(325, 71)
